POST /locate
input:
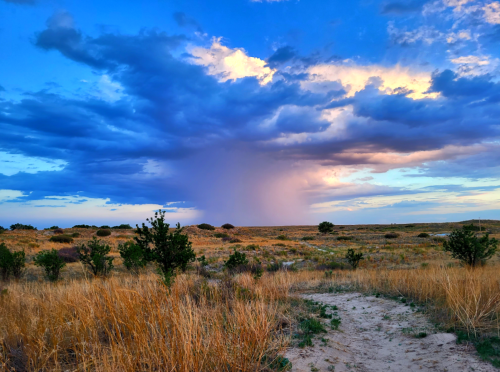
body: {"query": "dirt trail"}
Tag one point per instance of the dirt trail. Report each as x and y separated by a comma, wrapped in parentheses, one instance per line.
(379, 335)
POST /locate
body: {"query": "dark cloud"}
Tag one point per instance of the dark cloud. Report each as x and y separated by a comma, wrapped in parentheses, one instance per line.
(281, 55)
(184, 21)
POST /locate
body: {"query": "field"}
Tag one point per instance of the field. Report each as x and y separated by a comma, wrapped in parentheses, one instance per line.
(212, 321)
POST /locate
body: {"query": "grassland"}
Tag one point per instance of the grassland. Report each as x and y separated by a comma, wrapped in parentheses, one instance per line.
(211, 321)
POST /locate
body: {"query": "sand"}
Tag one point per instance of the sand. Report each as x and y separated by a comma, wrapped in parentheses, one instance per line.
(378, 334)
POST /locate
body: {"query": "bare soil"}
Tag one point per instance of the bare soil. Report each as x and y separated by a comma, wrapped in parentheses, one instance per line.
(378, 334)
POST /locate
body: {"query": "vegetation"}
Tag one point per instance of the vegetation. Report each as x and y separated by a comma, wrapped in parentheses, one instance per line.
(133, 256)
(345, 238)
(423, 235)
(353, 258)
(20, 226)
(123, 226)
(61, 239)
(206, 226)
(103, 232)
(170, 251)
(227, 226)
(391, 235)
(11, 263)
(50, 262)
(95, 256)
(83, 226)
(235, 260)
(465, 245)
(325, 227)
(221, 235)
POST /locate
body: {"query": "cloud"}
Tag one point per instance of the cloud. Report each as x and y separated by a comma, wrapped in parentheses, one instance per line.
(492, 12)
(403, 7)
(281, 55)
(184, 21)
(231, 64)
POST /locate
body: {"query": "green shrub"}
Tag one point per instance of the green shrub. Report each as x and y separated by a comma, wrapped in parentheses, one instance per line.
(170, 251)
(252, 247)
(345, 238)
(75, 235)
(105, 227)
(391, 235)
(206, 226)
(306, 238)
(132, 255)
(221, 235)
(51, 263)
(2, 229)
(235, 240)
(53, 227)
(423, 235)
(58, 231)
(227, 226)
(61, 239)
(282, 237)
(5, 262)
(83, 226)
(353, 258)
(123, 226)
(104, 232)
(20, 226)
(95, 256)
(466, 246)
(235, 260)
(325, 227)
(18, 263)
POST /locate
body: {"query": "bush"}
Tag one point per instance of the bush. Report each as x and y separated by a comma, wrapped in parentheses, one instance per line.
(83, 226)
(2, 229)
(235, 260)
(51, 263)
(221, 235)
(345, 238)
(170, 251)
(132, 255)
(252, 247)
(274, 266)
(58, 231)
(61, 239)
(206, 226)
(466, 246)
(123, 226)
(75, 235)
(20, 226)
(391, 235)
(306, 238)
(282, 237)
(325, 227)
(53, 228)
(105, 227)
(68, 255)
(423, 235)
(353, 258)
(235, 240)
(5, 262)
(227, 226)
(94, 255)
(104, 232)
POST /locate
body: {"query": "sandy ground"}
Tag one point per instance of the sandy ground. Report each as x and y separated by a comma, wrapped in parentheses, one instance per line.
(379, 335)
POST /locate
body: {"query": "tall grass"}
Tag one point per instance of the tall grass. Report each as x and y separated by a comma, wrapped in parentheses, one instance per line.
(137, 324)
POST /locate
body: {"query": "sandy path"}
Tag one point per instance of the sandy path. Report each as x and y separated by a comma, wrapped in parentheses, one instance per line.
(378, 335)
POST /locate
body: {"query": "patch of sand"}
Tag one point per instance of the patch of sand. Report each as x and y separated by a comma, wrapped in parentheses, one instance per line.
(378, 334)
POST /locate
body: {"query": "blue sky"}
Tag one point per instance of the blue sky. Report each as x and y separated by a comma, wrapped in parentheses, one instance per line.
(249, 112)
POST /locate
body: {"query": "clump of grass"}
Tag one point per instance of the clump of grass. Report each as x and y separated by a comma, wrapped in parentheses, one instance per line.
(345, 237)
(391, 235)
(306, 238)
(423, 235)
(103, 232)
(61, 239)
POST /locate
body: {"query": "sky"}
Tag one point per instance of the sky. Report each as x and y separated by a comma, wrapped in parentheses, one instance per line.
(277, 112)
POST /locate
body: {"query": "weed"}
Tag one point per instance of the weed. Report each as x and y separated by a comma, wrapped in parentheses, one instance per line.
(335, 323)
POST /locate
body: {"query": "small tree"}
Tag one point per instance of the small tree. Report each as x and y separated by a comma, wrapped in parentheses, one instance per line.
(325, 227)
(465, 245)
(170, 251)
(94, 255)
(5, 262)
(133, 256)
(353, 258)
(235, 260)
(51, 263)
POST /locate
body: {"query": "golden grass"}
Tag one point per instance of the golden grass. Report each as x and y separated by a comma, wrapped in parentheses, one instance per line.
(137, 324)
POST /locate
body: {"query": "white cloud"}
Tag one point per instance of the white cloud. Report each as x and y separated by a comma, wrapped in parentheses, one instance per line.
(453, 37)
(480, 61)
(231, 64)
(492, 12)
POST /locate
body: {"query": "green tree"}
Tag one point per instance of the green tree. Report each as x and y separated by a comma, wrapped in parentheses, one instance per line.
(5, 262)
(325, 227)
(51, 263)
(465, 245)
(235, 260)
(353, 258)
(94, 255)
(133, 256)
(169, 250)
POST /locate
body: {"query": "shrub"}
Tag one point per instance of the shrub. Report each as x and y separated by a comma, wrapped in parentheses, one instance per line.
(68, 255)
(282, 237)
(20, 226)
(206, 226)
(105, 227)
(353, 258)
(51, 263)
(235, 240)
(325, 227)
(306, 238)
(5, 262)
(391, 235)
(465, 245)
(83, 226)
(94, 255)
(221, 235)
(439, 239)
(58, 231)
(53, 227)
(252, 247)
(170, 251)
(61, 239)
(423, 235)
(235, 260)
(274, 266)
(75, 235)
(132, 255)
(2, 229)
(123, 226)
(104, 232)
(227, 226)
(344, 238)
